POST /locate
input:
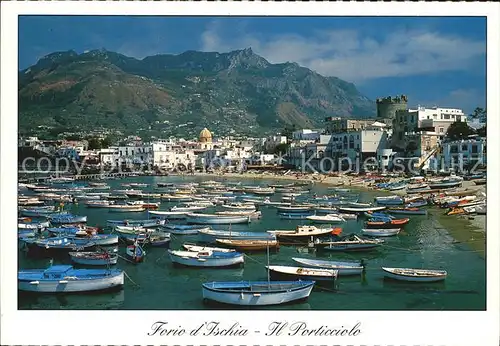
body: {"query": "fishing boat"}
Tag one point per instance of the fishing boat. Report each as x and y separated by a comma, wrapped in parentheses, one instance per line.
(445, 184)
(136, 223)
(210, 236)
(189, 208)
(214, 219)
(326, 209)
(98, 204)
(381, 232)
(37, 211)
(198, 248)
(390, 200)
(66, 218)
(382, 223)
(135, 253)
(171, 226)
(480, 181)
(343, 268)
(240, 206)
(348, 243)
(294, 216)
(407, 211)
(415, 275)
(125, 208)
(176, 198)
(188, 231)
(303, 233)
(330, 218)
(456, 211)
(171, 215)
(33, 225)
(294, 209)
(279, 272)
(257, 293)
(360, 210)
(55, 245)
(148, 206)
(94, 258)
(248, 244)
(252, 214)
(206, 258)
(416, 204)
(64, 278)
(83, 238)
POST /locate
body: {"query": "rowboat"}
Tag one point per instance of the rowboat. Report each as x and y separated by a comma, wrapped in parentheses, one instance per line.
(348, 243)
(98, 239)
(136, 223)
(257, 293)
(407, 211)
(33, 225)
(135, 253)
(172, 215)
(294, 216)
(382, 232)
(149, 206)
(301, 273)
(239, 206)
(330, 218)
(197, 248)
(206, 258)
(189, 208)
(294, 209)
(360, 210)
(327, 210)
(56, 244)
(98, 204)
(177, 198)
(343, 268)
(416, 204)
(210, 236)
(94, 258)
(125, 208)
(214, 219)
(445, 184)
(64, 278)
(415, 275)
(480, 182)
(390, 200)
(171, 226)
(303, 233)
(396, 223)
(188, 231)
(248, 244)
(252, 214)
(59, 219)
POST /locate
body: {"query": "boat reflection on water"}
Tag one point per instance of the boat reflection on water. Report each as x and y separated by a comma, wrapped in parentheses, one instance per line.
(294, 305)
(72, 301)
(389, 283)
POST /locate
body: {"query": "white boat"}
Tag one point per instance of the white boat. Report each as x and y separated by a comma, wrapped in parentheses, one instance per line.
(197, 248)
(188, 231)
(301, 273)
(177, 198)
(303, 232)
(330, 218)
(255, 293)
(252, 214)
(188, 209)
(206, 258)
(98, 204)
(343, 268)
(64, 278)
(361, 209)
(173, 215)
(125, 208)
(382, 232)
(33, 225)
(214, 219)
(210, 236)
(240, 206)
(294, 209)
(348, 243)
(415, 275)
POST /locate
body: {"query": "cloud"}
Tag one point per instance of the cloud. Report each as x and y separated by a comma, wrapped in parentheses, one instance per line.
(355, 56)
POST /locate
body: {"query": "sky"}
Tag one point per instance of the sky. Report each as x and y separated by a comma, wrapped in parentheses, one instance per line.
(435, 61)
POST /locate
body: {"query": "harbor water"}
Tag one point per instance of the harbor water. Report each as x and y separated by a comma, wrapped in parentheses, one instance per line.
(425, 242)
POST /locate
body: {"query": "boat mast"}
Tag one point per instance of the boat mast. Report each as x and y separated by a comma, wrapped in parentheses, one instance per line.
(268, 275)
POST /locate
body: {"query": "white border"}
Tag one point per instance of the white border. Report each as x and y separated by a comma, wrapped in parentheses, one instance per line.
(131, 327)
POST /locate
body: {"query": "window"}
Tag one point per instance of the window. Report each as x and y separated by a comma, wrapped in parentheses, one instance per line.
(464, 147)
(351, 142)
(474, 148)
(447, 116)
(441, 129)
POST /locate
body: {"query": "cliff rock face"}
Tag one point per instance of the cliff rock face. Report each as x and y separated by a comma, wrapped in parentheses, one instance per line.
(235, 92)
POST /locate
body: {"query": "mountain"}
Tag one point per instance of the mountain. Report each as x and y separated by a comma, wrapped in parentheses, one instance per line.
(235, 92)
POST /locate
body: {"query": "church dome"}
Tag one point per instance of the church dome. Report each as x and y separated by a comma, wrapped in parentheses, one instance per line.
(205, 136)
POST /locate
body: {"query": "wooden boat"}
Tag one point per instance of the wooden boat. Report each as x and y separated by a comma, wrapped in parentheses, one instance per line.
(171, 215)
(33, 225)
(98, 204)
(445, 184)
(94, 258)
(177, 198)
(330, 218)
(248, 244)
(125, 208)
(210, 236)
(136, 223)
(304, 233)
(480, 182)
(239, 206)
(149, 206)
(390, 200)
(188, 231)
(189, 209)
(135, 253)
(416, 204)
(198, 248)
(395, 223)
(301, 273)
(360, 210)
(206, 258)
(407, 211)
(64, 278)
(343, 268)
(382, 232)
(252, 214)
(348, 243)
(456, 211)
(347, 216)
(257, 293)
(294, 216)
(326, 209)
(294, 209)
(159, 240)
(415, 275)
(59, 219)
(214, 219)
(170, 226)
(83, 238)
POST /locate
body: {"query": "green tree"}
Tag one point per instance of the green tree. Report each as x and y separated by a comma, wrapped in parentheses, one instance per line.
(459, 130)
(106, 142)
(94, 143)
(482, 131)
(479, 113)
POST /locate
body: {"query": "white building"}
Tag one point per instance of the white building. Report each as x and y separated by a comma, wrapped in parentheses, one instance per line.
(305, 135)
(466, 152)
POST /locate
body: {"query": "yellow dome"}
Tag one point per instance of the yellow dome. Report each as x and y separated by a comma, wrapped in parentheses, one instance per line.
(205, 136)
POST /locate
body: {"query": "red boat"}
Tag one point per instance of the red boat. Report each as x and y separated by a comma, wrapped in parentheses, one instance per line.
(397, 223)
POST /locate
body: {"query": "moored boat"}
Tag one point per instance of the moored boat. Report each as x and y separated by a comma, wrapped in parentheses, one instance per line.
(210, 236)
(343, 268)
(360, 209)
(415, 275)
(215, 219)
(382, 232)
(304, 233)
(248, 244)
(135, 253)
(378, 223)
(206, 258)
(198, 248)
(125, 208)
(301, 273)
(407, 211)
(330, 218)
(171, 215)
(348, 243)
(64, 278)
(94, 258)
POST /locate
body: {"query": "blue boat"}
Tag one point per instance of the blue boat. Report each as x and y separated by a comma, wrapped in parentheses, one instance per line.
(38, 211)
(135, 253)
(416, 204)
(139, 223)
(64, 278)
(55, 245)
(60, 219)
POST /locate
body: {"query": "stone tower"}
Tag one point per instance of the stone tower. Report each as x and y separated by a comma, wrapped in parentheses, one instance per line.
(387, 106)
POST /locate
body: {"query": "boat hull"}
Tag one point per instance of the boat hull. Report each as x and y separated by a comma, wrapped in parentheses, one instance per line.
(390, 275)
(113, 259)
(257, 298)
(216, 220)
(207, 262)
(41, 286)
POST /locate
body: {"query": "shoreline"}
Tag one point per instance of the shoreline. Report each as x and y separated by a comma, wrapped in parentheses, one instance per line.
(471, 232)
